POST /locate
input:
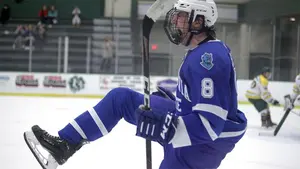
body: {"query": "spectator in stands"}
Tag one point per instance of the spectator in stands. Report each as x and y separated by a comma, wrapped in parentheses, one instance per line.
(29, 35)
(40, 31)
(52, 16)
(43, 14)
(107, 54)
(19, 32)
(76, 21)
(5, 15)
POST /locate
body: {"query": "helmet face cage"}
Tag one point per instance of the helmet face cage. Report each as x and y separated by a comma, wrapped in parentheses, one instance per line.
(180, 25)
(269, 76)
(177, 25)
(267, 70)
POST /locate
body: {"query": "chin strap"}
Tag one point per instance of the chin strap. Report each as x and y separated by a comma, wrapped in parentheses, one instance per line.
(209, 30)
(189, 40)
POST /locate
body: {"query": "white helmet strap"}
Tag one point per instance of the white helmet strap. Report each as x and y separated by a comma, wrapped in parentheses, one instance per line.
(191, 20)
(195, 31)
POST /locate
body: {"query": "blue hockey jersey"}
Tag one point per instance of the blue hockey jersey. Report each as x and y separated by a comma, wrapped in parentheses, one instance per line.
(206, 97)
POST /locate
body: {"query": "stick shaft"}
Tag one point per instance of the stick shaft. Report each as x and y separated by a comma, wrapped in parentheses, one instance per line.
(147, 26)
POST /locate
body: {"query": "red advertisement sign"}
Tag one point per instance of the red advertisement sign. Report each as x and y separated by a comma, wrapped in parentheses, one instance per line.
(54, 81)
(27, 81)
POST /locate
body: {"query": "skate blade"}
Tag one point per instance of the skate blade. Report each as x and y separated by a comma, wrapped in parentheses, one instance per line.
(267, 131)
(32, 143)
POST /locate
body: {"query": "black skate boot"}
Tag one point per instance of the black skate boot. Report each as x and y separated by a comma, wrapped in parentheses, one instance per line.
(59, 150)
(263, 120)
(269, 121)
(266, 121)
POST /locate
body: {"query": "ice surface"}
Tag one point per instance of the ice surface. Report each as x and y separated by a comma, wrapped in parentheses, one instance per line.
(122, 150)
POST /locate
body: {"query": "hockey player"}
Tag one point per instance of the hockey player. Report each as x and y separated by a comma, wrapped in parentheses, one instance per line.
(296, 92)
(197, 129)
(259, 96)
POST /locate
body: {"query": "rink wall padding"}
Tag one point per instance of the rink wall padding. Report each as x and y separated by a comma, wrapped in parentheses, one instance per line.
(97, 85)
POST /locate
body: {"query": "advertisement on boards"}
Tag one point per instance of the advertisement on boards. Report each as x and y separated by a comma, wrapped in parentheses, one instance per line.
(4, 79)
(168, 84)
(54, 81)
(108, 82)
(76, 83)
(26, 81)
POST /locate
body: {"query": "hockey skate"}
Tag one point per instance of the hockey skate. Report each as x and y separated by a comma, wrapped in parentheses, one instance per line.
(59, 150)
(266, 121)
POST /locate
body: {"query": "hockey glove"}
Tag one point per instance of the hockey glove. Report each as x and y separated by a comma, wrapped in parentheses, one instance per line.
(288, 102)
(162, 92)
(156, 126)
(275, 102)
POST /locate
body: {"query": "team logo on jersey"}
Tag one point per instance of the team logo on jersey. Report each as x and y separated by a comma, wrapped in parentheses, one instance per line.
(207, 61)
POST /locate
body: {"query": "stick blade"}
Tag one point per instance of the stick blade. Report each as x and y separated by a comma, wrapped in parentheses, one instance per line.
(268, 133)
(159, 8)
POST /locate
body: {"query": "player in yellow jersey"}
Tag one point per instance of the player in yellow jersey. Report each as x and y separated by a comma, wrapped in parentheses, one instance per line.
(296, 89)
(296, 92)
(260, 97)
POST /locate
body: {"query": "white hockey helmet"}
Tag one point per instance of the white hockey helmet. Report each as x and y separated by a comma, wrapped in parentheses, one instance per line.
(199, 16)
(207, 8)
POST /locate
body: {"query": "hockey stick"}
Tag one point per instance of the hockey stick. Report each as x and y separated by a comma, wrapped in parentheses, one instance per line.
(288, 102)
(287, 112)
(158, 8)
(278, 127)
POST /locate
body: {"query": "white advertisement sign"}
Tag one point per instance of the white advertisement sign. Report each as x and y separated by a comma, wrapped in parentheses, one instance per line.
(52, 84)
(49, 83)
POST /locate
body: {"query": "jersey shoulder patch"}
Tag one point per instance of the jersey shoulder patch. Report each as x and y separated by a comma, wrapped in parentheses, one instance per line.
(207, 60)
(209, 57)
(263, 81)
